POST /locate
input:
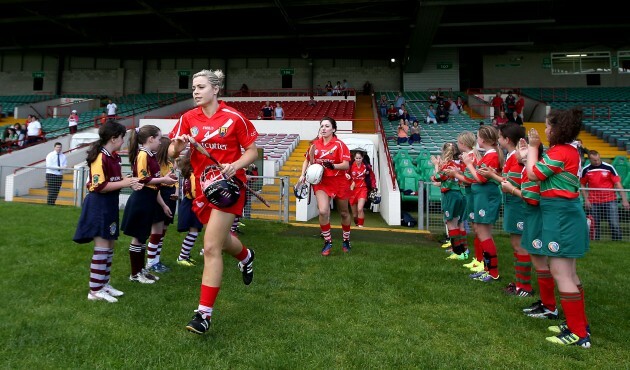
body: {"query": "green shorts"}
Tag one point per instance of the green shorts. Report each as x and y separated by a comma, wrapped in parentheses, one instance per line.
(531, 239)
(564, 229)
(513, 215)
(469, 210)
(452, 205)
(487, 200)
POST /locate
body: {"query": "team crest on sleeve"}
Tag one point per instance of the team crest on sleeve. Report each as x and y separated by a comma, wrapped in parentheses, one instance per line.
(482, 212)
(553, 247)
(112, 228)
(471, 215)
(144, 173)
(194, 131)
(223, 131)
(95, 179)
(519, 225)
(537, 243)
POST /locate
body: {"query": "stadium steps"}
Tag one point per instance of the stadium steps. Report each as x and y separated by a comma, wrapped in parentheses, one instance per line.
(291, 168)
(590, 141)
(364, 117)
(39, 195)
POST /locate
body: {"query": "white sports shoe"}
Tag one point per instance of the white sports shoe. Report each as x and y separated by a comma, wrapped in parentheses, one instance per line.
(112, 291)
(139, 277)
(101, 295)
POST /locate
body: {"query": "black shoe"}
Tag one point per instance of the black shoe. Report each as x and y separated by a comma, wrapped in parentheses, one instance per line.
(535, 306)
(247, 269)
(198, 324)
(345, 246)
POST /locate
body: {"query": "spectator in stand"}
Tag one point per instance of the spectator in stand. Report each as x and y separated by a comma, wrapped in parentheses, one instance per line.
(21, 133)
(73, 121)
(312, 102)
(345, 88)
(433, 98)
(33, 130)
(414, 132)
(442, 113)
(392, 113)
(111, 109)
(337, 89)
(382, 104)
(403, 113)
(520, 106)
(452, 108)
(510, 104)
(402, 132)
(279, 112)
(602, 204)
(329, 88)
(266, 111)
(514, 117)
(400, 100)
(103, 118)
(244, 90)
(494, 123)
(460, 104)
(502, 118)
(497, 103)
(431, 114)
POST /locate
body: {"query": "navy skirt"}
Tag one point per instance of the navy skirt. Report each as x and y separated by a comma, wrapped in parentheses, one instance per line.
(139, 212)
(99, 217)
(186, 218)
(165, 193)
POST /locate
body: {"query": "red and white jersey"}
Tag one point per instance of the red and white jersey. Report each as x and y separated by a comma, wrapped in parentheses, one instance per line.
(223, 135)
(358, 173)
(335, 152)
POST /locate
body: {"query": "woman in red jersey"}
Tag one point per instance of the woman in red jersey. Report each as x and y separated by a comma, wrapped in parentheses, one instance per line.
(362, 181)
(334, 155)
(224, 132)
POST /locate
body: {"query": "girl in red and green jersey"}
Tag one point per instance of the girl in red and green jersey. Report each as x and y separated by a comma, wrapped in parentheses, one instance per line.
(487, 199)
(453, 204)
(466, 143)
(509, 136)
(531, 239)
(564, 230)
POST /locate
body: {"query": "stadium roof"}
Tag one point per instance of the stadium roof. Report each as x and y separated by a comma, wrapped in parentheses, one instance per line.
(403, 29)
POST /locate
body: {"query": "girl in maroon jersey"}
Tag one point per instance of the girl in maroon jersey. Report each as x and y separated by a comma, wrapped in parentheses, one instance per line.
(334, 155)
(231, 138)
(100, 214)
(359, 174)
(564, 229)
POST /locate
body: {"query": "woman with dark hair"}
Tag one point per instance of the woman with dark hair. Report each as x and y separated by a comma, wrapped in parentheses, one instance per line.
(362, 181)
(99, 219)
(564, 230)
(330, 152)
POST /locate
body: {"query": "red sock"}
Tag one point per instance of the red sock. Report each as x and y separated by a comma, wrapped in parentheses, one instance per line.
(242, 254)
(346, 231)
(523, 270)
(490, 252)
(463, 238)
(547, 287)
(478, 250)
(326, 232)
(356, 221)
(455, 241)
(361, 221)
(581, 289)
(208, 295)
(573, 307)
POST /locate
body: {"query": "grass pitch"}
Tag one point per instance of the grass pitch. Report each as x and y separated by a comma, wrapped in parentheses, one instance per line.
(393, 302)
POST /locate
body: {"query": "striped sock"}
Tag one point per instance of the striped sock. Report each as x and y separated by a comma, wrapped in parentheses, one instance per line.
(490, 255)
(581, 290)
(523, 270)
(207, 297)
(346, 231)
(110, 258)
(136, 257)
(98, 268)
(159, 248)
(326, 232)
(187, 245)
(152, 248)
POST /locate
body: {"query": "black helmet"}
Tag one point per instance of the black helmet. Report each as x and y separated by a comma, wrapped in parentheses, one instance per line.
(218, 190)
(374, 196)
